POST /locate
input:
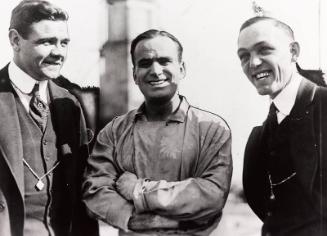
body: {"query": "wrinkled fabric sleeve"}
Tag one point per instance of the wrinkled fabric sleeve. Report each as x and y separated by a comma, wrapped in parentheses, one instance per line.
(100, 195)
(199, 198)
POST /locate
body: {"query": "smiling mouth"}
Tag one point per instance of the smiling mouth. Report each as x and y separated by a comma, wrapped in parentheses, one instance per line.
(53, 63)
(262, 75)
(157, 82)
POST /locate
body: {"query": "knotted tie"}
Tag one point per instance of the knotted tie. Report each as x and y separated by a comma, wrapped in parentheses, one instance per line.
(272, 124)
(38, 109)
(272, 117)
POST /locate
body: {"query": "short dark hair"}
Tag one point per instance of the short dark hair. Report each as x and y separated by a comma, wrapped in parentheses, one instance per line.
(28, 12)
(152, 33)
(279, 24)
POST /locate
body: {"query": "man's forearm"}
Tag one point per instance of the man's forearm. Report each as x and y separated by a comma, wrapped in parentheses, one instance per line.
(148, 221)
(191, 199)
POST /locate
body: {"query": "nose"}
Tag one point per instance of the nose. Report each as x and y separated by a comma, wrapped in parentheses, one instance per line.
(58, 50)
(156, 68)
(255, 61)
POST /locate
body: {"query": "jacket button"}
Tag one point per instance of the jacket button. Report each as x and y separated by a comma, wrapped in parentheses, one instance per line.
(2, 206)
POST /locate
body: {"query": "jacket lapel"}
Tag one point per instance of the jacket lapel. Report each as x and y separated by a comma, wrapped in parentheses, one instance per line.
(10, 134)
(62, 113)
(302, 136)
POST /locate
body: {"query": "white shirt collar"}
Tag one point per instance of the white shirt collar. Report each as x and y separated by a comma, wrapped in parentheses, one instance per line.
(24, 82)
(285, 100)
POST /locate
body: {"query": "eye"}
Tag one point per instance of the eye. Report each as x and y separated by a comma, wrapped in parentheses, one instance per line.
(265, 50)
(45, 42)
(164, 61)
(244, 57)
(145, 63)
(65, 43)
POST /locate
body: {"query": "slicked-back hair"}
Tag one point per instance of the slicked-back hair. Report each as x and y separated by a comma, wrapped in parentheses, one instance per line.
(28, 12)
(152, 33)
(279, 24)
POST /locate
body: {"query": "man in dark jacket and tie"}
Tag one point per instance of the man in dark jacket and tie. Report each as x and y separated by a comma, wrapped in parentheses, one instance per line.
(285, 161)
(43, 146)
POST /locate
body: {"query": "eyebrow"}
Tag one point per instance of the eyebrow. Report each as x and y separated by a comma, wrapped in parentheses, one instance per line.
(254, 46)
(156, 58)
(51, 39)
(144, 59)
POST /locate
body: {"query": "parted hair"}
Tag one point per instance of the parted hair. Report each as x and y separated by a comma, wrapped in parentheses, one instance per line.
(28, 12)
(152, 33)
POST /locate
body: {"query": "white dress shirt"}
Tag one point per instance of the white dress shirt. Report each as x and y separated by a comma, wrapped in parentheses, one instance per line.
(24, 84)
(285, 100)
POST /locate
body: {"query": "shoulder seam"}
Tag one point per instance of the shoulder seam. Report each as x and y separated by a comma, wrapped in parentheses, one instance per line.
(200, 109)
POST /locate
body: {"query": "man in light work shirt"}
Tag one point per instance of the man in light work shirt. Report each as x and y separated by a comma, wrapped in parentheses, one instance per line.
(165, 168)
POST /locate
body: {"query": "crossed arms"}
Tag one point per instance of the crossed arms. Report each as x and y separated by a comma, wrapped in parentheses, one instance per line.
(118, 197)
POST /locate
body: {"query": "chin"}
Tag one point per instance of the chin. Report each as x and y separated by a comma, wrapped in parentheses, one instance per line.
(51, 75)
(263, 92)
(158, 99)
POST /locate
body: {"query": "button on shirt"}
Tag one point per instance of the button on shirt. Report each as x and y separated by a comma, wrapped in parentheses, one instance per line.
(285, 100)
(23, 85)
(185, 163)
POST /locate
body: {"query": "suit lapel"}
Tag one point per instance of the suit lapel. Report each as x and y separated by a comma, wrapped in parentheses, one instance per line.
(62, 114)
(10, 134)
(61, 111)
(302, 135)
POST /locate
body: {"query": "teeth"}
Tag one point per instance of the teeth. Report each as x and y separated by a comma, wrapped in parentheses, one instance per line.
(52, 63)
(261, 75)
(157, 82)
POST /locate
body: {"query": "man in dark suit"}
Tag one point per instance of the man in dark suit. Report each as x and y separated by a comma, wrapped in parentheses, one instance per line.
(43, 146)
(285, 161)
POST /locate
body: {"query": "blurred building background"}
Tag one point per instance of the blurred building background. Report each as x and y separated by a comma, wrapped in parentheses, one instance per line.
(101, 31)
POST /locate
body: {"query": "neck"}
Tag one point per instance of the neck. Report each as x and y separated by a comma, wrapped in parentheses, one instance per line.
(160, 111)
(291, 76)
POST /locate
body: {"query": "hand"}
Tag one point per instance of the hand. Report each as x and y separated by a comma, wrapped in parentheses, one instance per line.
(126, 184)
(147, 221)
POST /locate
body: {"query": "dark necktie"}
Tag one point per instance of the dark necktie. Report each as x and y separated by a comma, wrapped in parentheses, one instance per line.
(38, 109)
(272, 117)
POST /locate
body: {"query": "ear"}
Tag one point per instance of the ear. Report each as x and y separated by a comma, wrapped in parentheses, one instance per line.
(295, 50)
(183, 69)
(134, 76)
(15, 39)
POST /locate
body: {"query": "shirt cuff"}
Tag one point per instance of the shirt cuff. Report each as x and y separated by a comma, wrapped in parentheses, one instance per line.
(138, 196)
(120, 218)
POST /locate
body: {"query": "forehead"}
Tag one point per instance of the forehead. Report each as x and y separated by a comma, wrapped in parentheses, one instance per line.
(159, 46)
(49, 28)
(262, 31)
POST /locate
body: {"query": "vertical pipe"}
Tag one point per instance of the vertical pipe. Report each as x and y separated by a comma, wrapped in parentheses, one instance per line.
(319, 34)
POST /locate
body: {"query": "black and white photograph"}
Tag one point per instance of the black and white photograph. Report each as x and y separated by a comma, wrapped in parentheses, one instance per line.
(163, 117)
